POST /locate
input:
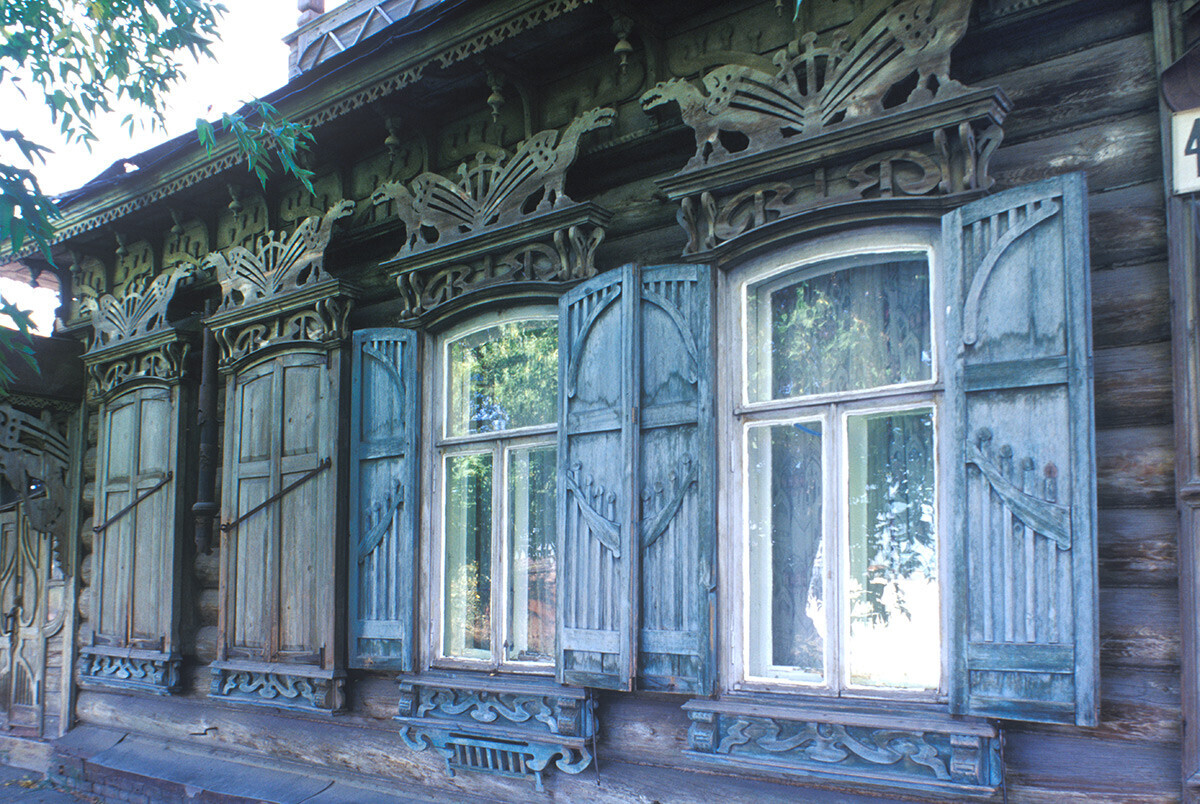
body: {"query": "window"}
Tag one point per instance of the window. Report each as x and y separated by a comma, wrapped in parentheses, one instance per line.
(835, 415)
(495, 458)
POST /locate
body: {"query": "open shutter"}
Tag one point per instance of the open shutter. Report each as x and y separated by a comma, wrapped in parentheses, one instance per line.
(383, 480)
(596, 466)
(676, 477)
(1020, 456)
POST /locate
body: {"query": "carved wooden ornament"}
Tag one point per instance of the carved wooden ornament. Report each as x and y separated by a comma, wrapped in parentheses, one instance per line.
(139, 311)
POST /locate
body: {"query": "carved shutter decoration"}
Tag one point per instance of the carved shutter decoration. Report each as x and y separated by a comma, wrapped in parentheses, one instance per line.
(636, 480)
(1020, 457)
(383, 482)
(597, 519)
(676, 464)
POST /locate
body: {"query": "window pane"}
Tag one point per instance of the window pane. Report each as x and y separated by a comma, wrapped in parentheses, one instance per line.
(468, 556)
(862, 322)
(503, 377)
(531, 503)
(893, 596)
(787, 620)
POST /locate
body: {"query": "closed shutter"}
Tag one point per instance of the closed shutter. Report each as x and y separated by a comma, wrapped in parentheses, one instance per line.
(597, 552)
(383, 506)
(677, 472)
(1020, 457)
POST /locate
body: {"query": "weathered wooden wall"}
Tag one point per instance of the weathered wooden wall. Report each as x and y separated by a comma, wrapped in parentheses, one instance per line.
(1083, 81)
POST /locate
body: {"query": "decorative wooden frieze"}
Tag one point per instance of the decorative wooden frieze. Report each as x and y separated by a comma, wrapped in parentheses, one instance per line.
(782, 741)
(132, 339)
(145, 671)
(186, 244)
(816, 132)
(511, 728)
(308, 689)
(276, 292)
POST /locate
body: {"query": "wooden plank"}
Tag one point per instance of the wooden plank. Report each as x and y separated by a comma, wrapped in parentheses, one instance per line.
(1114, 152)
(1131, 304)
(1128, 226)
(1135, 467)
(1138, 547)
(1133, 385)
(1139, 627)
(1106, 770)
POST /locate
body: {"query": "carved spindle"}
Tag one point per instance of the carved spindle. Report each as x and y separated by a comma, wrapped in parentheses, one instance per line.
(1006, 462)
(1051, 487)
(983, 440)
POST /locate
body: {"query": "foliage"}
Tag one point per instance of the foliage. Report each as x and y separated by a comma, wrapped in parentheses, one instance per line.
(274, 136)
(15, 344)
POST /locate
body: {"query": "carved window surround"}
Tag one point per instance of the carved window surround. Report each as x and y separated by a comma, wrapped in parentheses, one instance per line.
(129, 668)
(935, 151)
(159, 356)
(509, 727)
(918, 749)
(546, 251)
(285, 686)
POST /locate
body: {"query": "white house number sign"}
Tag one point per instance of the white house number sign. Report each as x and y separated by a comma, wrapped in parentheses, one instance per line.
(1185, 150)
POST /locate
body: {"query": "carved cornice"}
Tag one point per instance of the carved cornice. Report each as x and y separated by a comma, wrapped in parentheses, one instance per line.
(129, 669)
(881, 748)
(160, 357)
(280, 686)
(527, 725)
(549, 250)
(938, 150)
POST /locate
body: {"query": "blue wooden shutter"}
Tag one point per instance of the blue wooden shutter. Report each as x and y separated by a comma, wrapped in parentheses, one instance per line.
(596, 464)
(384, 503)
(1019, 455)
(676, 445)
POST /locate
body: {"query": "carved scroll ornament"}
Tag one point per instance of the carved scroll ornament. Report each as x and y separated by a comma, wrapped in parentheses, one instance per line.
(493, 191)
(33, 460)
(149, 674)
(284, 690)
(821, 86)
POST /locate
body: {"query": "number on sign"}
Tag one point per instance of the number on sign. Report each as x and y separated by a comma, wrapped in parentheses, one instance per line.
(1192, 147)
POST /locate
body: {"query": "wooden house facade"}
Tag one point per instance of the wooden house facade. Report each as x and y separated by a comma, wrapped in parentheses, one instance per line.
(648, 402)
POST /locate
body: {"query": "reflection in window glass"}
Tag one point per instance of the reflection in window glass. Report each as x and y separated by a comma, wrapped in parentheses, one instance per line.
(531, 526)
(787, 599)
(861, 322)
(892, 593)
(503, 377)
(468, 558)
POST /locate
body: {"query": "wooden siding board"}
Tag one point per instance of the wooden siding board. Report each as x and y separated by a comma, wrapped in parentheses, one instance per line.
(1133, 385)
(1131, 305)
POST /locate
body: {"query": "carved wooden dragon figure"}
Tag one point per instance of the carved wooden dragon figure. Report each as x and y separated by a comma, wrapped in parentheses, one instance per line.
(493, 190)
(137, 312)
(816, 87)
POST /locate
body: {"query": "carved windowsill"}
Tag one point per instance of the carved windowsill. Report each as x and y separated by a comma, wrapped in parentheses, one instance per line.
(302, 688)
(129, 668)
(505, 726)
(882, 743)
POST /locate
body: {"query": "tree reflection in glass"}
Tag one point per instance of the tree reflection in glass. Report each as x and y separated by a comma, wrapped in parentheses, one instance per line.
(468, 558)
(503, 377)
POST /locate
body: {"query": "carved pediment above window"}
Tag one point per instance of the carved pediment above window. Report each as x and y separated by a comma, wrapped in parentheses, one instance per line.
(140, 310)
(866, 112)
(276, 292)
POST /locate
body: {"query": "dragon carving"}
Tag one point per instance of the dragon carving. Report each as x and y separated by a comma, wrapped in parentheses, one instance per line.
(136, 312)
(277, 263)
(493, 190)
(817, 87)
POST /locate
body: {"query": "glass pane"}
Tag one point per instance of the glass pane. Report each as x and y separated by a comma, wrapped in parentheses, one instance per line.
(787, 621)
(531, 539)
(862, 322)
(504, 377)
(895, 634)
(468, 556)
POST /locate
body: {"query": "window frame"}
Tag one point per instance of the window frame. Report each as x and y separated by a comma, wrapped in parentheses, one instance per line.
(736, 415)
(437, 448)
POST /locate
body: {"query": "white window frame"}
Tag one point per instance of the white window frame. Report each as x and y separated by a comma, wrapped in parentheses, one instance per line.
(736, 414)
(438, 448)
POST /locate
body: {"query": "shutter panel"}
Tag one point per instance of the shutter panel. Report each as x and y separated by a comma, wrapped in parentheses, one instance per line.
(383, 479)
(597, 464)
(1020, 456)
(677, 473)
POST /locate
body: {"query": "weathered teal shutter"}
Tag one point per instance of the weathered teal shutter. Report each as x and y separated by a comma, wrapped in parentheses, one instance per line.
(676, 443)
(384, 501)
(1019, 455)
(597, 552)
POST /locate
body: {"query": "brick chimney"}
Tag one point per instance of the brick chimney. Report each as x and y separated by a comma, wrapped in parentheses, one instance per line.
(309, 10)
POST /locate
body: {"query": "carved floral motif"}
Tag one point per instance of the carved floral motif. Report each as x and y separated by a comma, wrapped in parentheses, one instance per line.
(279, 689)
(156, 675)
(817, 87)
(943, 759)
